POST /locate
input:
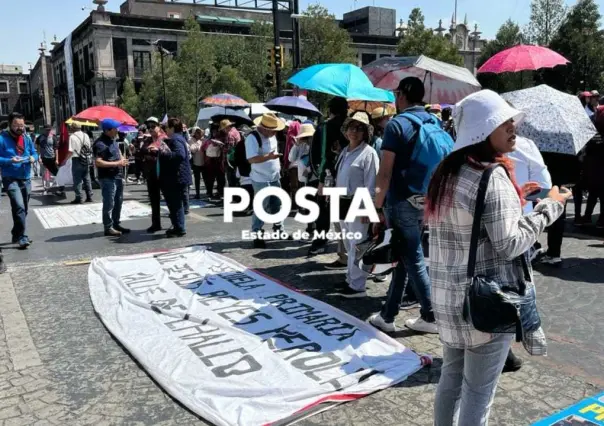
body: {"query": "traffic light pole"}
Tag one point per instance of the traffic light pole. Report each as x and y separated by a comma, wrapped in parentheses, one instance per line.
(297, 42)
(277, 43)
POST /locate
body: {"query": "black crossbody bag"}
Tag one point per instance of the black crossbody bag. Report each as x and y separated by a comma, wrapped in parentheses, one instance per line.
(488, 306)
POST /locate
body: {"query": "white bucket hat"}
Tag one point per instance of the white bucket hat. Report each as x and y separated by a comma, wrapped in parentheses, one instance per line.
(478, 115)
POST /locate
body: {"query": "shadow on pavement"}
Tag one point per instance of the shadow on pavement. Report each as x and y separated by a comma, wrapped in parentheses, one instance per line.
(574, 269)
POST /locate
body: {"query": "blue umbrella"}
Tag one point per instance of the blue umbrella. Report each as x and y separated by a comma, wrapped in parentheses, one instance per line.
(293, 105)
(345, 80)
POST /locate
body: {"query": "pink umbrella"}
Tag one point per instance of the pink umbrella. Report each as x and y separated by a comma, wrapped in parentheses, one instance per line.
(523, 58)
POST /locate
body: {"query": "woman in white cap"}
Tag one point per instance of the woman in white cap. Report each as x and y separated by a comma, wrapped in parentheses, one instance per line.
(473, 360)
(356, 167)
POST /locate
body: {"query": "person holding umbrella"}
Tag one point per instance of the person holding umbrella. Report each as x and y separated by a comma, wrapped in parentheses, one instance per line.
(110, 163)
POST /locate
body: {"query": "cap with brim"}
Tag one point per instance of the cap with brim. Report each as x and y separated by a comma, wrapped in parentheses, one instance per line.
(585, 95)
(359, 117)
(306, 131)
(595, 93)
(479, 114)
(110, 124)
(152, 120)
(270, 121)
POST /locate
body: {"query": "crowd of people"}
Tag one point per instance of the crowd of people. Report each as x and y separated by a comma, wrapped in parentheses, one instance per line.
(460, 175)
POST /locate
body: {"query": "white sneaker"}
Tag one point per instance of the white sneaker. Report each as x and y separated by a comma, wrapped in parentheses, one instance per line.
(551, 260)
(418, 324)
(381, 278)
(378, 322)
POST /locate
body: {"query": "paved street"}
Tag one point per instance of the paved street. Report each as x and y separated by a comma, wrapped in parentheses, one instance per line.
(58, 364)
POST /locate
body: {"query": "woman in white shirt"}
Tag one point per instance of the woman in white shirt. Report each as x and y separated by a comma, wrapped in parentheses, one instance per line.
(357, 167)
(298, 155)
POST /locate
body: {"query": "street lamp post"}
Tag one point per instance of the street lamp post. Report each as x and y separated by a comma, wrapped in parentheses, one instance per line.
(297, 41)
(162, 52)
(277, 45)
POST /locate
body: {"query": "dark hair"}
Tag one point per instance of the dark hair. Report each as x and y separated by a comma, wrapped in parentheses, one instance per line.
(413, 89)
(442, 184)
(14, 116)
(338, 106)
(446, 114)
(176, 124)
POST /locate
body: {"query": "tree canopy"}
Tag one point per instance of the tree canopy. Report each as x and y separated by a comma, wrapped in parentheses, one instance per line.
(546, 18)
(419, 40)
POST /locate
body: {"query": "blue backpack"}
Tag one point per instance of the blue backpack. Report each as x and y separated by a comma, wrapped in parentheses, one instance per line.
(427, 148)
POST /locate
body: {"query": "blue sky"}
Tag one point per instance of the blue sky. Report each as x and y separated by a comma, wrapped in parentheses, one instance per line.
(26, 23)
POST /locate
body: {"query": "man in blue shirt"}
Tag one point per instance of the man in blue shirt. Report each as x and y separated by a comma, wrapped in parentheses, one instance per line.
(17, 154)
(110, 163)
(401, 213)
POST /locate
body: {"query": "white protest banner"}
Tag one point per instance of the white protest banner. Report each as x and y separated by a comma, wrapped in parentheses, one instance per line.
(86, 214)
(236, 347)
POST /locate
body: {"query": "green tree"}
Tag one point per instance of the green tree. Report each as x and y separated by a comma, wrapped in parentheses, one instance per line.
(129, 100)
(508, 35)
(546, 18)
(229, 80)
(322, 39)
(580, 40)
(419, 40)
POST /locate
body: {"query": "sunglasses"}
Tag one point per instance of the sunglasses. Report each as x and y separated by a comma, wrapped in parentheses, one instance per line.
(357, 129)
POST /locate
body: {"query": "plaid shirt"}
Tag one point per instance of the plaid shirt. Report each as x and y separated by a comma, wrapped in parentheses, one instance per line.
(505, 235)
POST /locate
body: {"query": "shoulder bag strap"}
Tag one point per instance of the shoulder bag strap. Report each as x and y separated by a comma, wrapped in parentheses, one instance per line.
(478, 211)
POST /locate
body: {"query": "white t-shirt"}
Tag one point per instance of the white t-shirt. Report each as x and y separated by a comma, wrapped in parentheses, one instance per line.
(270, 170)
(76, 140)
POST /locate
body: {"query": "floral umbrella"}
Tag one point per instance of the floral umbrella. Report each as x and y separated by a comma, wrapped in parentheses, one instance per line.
(225, 100)
(555, 121)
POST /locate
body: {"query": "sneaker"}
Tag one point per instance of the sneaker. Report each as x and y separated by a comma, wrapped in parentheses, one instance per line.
(121, 229)
(350, 293)
(512, 363)
(407, 305)
(335, 265)
(153, 229)
(581, 221)
(378, 322)
(111, 232)
(554, 261)
(259, 243)
(534, 254)
(3, 268)
(316, 249)
(381, 278)
(186, 212)
(76, 201)
(89, 200)
(24, 243)
(419, 324)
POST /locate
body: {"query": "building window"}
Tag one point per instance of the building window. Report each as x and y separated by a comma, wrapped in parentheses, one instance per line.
(4, 106)
(4, 86)
(142, 62)
(173, 15)
(23, 89)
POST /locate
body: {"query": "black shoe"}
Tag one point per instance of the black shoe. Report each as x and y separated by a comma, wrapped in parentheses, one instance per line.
(512, 363)
(76, 201)
(335, 265)
(89, 200)
(259, 244)
(3, 268)
(111, 232)
(173, 233)
(186, 212)
(408, 304)
(121, 229)
(153, 229)
(352, 294)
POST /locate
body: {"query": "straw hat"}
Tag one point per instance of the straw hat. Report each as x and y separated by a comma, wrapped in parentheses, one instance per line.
(225, 123)
(270, 121)
(381, 112)
(360, 117)
(478, 115)
(306, 131)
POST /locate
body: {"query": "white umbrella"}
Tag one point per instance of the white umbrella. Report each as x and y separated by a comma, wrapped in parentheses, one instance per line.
(256, 110)
(555, 121)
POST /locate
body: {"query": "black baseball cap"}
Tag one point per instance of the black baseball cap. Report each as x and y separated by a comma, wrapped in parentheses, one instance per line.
(413, 89)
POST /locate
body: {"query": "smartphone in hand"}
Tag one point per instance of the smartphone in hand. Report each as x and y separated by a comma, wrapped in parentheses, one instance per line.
(538, 195)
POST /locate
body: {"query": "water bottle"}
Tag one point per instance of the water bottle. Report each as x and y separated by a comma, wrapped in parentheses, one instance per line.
(328, 180)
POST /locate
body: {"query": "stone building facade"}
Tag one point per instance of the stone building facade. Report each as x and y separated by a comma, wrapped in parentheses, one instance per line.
(14, 92)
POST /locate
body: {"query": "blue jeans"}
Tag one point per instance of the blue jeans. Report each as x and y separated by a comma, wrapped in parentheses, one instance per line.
(271, 205)
(174, 196)
(406, 220)
(80, 173)
(18, 191)
(469, 376)
(113, 197)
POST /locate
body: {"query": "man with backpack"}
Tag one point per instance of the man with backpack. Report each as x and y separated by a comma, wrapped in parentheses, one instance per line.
(413, 146)
(80, 152)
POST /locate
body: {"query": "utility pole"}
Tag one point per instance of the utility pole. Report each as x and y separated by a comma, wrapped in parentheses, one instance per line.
(297, 36)
(277, 44)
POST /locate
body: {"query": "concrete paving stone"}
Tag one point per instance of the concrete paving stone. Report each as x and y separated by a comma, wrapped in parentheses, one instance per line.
(13, 390)
(20, 381)
(24, 420)
(37, 384)
(7, 402)
(48, 411)
(30, 396)
(9, 412)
